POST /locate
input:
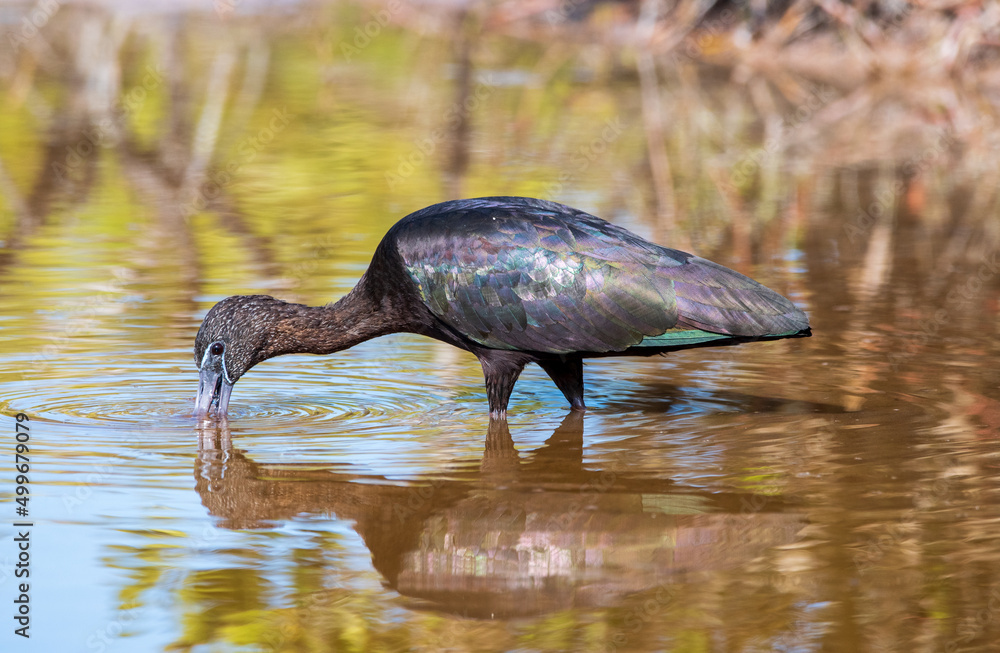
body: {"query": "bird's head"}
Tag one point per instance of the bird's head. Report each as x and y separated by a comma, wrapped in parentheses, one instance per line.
(232, 339)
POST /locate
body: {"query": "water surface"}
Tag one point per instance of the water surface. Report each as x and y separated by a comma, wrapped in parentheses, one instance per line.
(837, 493)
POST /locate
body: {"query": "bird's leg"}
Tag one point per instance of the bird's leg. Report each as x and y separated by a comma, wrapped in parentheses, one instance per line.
(501, 369)
(568, 376)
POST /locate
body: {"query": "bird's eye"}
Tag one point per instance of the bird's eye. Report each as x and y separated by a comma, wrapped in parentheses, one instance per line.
(217, 348)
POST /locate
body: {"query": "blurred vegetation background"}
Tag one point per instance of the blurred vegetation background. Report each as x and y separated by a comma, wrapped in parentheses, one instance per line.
(729, 108)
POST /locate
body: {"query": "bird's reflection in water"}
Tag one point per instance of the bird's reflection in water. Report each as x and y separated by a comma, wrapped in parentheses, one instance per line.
(518, 534)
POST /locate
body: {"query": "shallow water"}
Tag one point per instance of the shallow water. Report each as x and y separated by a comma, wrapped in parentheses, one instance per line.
(836, 493)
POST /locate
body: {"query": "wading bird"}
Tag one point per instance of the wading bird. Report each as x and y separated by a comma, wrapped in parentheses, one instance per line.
(513, 280)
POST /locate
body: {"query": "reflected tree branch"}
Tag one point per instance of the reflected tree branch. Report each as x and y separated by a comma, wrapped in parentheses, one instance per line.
(207, 130)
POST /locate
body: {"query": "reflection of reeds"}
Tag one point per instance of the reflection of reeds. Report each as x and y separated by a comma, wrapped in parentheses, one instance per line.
(821, 122)
(816, 84)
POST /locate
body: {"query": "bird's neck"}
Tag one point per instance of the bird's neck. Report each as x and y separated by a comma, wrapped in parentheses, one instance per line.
(357, 317)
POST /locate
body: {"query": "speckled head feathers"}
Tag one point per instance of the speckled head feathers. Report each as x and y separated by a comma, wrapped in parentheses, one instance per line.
(241, 323)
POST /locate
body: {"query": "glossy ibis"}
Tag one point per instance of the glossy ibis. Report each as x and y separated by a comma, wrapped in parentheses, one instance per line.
(513, 280)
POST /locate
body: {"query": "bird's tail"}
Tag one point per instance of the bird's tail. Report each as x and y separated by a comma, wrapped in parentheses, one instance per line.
(714, 300)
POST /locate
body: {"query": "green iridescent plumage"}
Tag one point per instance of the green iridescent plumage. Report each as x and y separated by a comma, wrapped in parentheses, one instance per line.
(538, 276)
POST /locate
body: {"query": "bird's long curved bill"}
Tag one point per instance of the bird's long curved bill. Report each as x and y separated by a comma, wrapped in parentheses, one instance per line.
(213, 393)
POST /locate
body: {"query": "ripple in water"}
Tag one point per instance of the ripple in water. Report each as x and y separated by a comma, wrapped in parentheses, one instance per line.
(140, 392)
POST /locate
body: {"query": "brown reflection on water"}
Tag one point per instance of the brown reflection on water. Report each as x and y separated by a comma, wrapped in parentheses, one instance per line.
(518, 534)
